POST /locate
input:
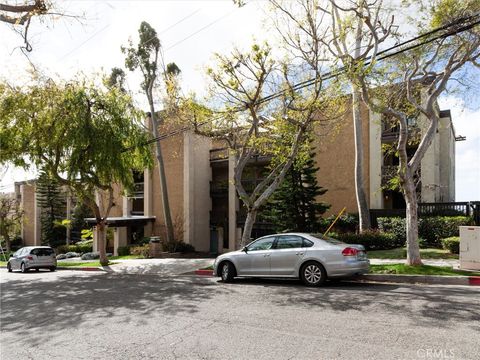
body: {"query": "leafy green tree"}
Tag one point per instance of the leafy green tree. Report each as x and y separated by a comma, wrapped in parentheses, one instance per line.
(51, 202)
(294, 206)
(78, 132)
(78, 224)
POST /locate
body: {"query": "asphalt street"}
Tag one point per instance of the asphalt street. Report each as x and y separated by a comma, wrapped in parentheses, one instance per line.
(89, 315)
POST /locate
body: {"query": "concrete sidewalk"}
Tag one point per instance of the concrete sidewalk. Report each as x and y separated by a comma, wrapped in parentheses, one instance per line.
(165, 267)
(432, 262)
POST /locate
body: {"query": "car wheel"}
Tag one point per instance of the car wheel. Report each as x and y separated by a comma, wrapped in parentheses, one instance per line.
(227, 271)
(313, 274)
(53, 268)
(9, 267)
(23, 268)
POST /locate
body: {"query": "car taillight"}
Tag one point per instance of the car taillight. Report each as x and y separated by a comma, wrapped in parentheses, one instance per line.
(349, 251)
(29, 257)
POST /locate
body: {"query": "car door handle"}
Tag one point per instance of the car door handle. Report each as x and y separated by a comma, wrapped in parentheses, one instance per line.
(266, 255)
(299, 253)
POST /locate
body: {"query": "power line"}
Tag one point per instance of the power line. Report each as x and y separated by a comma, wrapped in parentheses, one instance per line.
(384, 55)
(200, 30)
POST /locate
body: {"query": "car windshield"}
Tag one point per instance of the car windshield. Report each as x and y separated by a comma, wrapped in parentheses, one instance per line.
(327, 239)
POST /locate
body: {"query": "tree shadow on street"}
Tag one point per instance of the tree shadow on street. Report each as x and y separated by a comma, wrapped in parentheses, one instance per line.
(422, 304)
(33, 309)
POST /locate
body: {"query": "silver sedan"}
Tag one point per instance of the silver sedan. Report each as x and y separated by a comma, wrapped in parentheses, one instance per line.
(309, 257)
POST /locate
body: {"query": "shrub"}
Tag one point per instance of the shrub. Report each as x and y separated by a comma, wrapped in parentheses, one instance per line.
(143, 250)
(372, 240)
(123, 250)
(346, 223)
(178, 246)
(430, 229)
(434, 229)
(395, 226)
(451, 244)
(80, 247)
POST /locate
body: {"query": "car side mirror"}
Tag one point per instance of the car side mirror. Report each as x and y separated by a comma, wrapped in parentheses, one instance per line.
(11, 255)
(245, 250)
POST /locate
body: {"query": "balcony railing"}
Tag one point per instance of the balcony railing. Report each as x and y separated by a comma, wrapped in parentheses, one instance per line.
(218, 188)
(393, 132)
(138, 191)
(218, 155)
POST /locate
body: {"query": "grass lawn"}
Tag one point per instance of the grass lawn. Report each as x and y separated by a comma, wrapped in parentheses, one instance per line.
(403, 269)
(401, 253)
(81, 264)
(126, 257)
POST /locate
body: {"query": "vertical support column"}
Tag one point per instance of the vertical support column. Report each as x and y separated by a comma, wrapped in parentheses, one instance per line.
(430, 174)
(126, 206)
(221, 234)
(376, 160)
(188, 189)
(95, 240)
(147, 201)
(232, 203)
(119, 238)
(69, 216)
(37, 221)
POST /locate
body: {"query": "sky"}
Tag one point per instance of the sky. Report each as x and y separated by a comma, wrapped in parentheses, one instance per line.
(190, 32)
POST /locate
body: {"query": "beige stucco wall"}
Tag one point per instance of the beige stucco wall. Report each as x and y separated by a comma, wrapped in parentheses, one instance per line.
(376, 160)
(28, 205)
(197, 201)
(335, 156)
(172, 151)
(447, 160)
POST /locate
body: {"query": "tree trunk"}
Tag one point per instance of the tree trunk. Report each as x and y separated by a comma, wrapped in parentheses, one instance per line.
(7, 242)
(247, 229)
(362, 204)
(101, 236)
(413, 248)
(163, 180)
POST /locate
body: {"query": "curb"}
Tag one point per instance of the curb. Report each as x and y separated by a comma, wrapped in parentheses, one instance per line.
(422, 279)
(204, 272)
(86, 268)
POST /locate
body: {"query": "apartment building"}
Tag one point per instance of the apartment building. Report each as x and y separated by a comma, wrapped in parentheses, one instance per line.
(205, 208)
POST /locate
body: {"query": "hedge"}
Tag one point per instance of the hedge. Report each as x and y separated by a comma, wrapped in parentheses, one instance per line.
(431, 229)
(81, 248)
(452, 244)
(371, 240)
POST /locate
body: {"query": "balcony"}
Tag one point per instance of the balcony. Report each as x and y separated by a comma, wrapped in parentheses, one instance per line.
(138, 191)
(219, 188)
(392, 133)
(219, 155)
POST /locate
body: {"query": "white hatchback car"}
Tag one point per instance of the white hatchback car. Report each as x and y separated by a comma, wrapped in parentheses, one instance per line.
(33, 257)
(312, 258)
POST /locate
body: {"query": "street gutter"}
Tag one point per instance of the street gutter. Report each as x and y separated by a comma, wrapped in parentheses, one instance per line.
(421, 279)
